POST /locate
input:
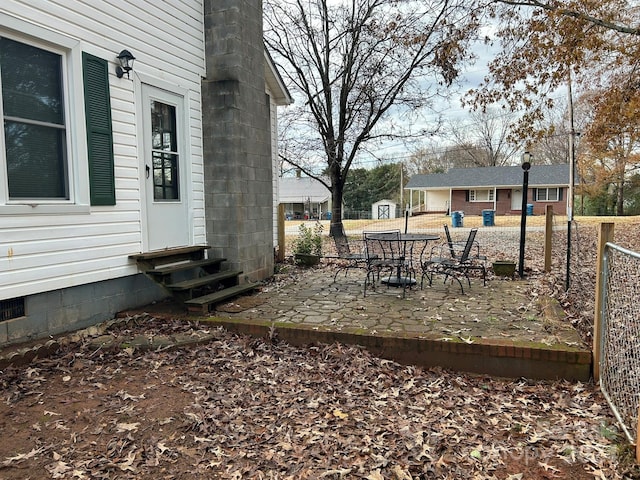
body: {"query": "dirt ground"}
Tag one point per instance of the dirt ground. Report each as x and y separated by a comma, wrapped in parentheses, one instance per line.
(238, 407)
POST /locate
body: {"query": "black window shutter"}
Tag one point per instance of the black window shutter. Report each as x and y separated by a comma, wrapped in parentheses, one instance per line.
(560, 191)
(97, 104)
(466, 195)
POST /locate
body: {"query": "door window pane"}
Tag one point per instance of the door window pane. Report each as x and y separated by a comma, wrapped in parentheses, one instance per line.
(164, 151)
(165, 176)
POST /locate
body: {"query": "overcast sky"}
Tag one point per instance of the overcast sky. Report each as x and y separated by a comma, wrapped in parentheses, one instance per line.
(448, 111)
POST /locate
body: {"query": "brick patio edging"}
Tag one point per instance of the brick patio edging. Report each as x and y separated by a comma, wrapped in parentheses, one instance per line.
(491, 357)
(500, 358)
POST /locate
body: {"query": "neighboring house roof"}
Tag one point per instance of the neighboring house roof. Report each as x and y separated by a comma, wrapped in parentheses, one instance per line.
(512, 176)
(302, 189)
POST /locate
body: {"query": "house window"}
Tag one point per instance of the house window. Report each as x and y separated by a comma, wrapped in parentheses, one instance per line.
(35, 130)
(481, 195)
(40, 172)
(547, 194)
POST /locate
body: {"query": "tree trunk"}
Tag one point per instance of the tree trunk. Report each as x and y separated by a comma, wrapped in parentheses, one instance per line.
(620, 199)
(336, 228)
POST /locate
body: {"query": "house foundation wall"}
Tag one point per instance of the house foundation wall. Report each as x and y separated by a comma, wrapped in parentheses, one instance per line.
(238, 171)
(74, 308)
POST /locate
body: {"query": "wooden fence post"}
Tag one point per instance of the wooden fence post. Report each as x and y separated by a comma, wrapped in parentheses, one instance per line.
(637, 442)
(548, 235)
(281, 242)
(605, 234)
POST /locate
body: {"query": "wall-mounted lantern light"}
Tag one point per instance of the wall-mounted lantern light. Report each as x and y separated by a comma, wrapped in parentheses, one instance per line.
(125, 59)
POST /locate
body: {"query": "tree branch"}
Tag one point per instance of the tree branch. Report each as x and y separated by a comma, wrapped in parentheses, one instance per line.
(574, 14)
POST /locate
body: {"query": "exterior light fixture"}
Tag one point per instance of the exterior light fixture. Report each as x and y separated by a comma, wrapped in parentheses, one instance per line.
(526, 161)
(526, 166)
(125, 59)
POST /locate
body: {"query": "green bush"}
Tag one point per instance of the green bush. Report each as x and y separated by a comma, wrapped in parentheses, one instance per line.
(309, 240)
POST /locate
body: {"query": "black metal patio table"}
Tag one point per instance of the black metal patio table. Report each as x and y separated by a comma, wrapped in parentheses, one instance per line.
(409, 242)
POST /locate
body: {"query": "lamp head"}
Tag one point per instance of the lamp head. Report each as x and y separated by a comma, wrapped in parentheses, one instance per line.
(125, 60)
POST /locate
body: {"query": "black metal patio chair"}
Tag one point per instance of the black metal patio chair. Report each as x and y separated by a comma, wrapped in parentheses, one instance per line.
(455, 260)
(347, 259)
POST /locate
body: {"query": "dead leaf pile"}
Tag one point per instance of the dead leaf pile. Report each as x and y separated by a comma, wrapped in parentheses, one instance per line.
(240, 408)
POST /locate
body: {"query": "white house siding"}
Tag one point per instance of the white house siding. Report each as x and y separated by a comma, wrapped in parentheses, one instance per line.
(45, 248)
(276, 170)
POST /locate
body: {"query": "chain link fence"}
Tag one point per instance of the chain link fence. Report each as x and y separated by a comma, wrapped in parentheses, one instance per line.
(620, 336)
(500, 240)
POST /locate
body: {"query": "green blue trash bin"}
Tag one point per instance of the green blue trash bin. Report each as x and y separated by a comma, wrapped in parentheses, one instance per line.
(456, 219)
(488, 218)
(529, 209)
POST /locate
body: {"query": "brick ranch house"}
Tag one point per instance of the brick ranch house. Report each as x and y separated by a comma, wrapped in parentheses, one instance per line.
(472, 190)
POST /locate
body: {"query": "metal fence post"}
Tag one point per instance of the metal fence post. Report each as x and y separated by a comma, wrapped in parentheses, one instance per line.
(523, 217)
(548, 235)
(605, 234)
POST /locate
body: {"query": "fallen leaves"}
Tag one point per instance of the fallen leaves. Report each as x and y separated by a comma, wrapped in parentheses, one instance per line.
(240, 407)
(23, 456)
(127, 427)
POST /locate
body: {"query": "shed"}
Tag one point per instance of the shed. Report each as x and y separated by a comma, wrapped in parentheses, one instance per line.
(384, 209)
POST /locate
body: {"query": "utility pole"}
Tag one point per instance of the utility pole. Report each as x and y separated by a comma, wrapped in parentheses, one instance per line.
(572, 161)
(401, 187)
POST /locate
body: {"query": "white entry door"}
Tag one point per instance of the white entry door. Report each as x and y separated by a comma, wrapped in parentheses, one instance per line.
(516, 199)
(164, 170)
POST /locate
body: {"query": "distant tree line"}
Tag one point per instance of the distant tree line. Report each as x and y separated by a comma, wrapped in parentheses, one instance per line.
(367, 186)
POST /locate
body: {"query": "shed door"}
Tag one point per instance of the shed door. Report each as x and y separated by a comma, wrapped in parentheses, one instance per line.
(383, 212)
(167, 218)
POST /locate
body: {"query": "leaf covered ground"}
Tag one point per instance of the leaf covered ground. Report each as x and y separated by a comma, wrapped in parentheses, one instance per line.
(239, 407)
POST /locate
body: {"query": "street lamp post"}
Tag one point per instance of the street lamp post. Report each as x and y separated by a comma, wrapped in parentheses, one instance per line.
(526, 165)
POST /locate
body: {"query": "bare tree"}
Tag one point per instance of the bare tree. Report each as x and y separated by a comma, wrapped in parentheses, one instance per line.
(427, 159)
(545, 44)
(484, 141)
(351, 64)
